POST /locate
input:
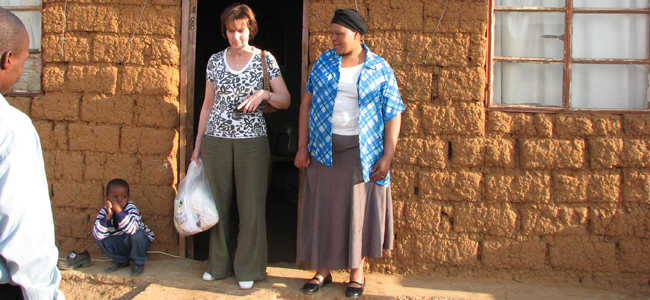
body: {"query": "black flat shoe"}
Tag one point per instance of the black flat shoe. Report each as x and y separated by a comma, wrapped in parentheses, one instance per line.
(355, 292)
(310, 288)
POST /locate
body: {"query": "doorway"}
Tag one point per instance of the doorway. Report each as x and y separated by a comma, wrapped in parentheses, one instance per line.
(280, 32)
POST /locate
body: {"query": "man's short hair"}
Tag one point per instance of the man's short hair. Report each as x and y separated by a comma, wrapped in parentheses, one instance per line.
(12, 32)
(117, 182)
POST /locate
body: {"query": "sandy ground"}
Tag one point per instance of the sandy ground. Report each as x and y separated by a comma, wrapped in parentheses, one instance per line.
(172, 278)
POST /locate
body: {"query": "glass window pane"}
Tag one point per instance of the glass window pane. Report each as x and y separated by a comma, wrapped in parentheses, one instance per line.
(521, 34)
(32, 21)
(527, 83)
(611, 36)
(30, 80)
(609, 86)
(611, 3)
(547, 3)
(21, 2)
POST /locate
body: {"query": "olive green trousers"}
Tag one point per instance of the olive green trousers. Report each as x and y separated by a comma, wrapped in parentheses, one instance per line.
(241, 164)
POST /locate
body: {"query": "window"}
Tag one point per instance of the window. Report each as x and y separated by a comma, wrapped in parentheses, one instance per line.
(29, 11)
(569, 55)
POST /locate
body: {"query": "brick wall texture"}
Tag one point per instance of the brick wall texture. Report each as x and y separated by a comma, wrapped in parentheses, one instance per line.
(477, 193)
(109, 109)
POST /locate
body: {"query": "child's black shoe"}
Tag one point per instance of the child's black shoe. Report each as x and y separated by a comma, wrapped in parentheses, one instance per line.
(116, 266)
(75, 260)
(137, 269)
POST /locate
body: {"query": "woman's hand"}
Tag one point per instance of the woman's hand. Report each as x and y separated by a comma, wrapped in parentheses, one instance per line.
(251, 103)
(302, 158)
(380, 170)
(197, 152)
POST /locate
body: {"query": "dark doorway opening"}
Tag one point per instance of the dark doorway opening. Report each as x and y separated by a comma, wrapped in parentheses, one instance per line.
(280, 32)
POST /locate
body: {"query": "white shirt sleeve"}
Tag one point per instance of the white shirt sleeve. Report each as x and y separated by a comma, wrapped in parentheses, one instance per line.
(28, 254)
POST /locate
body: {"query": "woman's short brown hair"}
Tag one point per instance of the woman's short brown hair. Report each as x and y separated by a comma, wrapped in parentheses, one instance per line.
(237, 12)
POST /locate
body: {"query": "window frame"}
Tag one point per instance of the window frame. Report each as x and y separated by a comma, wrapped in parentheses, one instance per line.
(567, 61)
(33, 53)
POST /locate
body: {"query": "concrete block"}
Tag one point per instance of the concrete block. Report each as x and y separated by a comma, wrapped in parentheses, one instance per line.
(403, 183)
(634, 255)
(154, 200)
(93, 18)
(160, 81)
(446, 186)
(605, 153)
(157, 112)
(69, 166)
(148, 141)
(553, 154)
(571, 125)
(57, 107)
(462, 84)
(394, 15)
(622, 222)
(636, 186)
(446, 252)
(544, 125)
(635, 153)
(93, 79)
(122, 166)
(467, 153)
(497, 219)
(61, 136)
(500, 153)
(636, 126)
(574, 253)
(45, 131)
(77, 195)
(553, 220)
(507, 254)
(54, 77)
(423, 217)
(94, 138)
(159, 171)
(106, 109)
(518, 186)
(76, 49)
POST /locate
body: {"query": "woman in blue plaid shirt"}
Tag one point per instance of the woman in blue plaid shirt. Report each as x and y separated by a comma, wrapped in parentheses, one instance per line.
(350, 119)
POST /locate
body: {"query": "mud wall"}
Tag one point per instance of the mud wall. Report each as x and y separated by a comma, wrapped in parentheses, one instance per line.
(109, 109)
(478, 193)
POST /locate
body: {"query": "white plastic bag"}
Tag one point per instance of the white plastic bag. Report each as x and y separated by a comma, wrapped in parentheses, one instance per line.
(194, 208)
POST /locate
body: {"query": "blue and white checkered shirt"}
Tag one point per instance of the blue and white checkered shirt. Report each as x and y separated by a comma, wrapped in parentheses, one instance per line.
(379, 101)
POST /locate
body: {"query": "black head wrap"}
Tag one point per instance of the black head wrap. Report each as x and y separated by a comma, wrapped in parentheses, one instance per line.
(351, 19)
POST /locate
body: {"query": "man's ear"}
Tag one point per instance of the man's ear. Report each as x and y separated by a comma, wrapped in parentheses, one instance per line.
(5, 60)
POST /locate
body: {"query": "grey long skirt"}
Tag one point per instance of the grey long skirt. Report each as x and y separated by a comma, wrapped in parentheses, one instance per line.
(342, 218)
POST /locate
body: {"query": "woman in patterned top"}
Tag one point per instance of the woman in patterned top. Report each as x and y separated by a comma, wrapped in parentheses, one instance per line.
(233, 144)
(349, 123)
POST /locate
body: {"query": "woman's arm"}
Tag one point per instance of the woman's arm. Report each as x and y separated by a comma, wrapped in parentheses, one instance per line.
(208, 102)
(280, 98)
(391, 133)
(302, 156)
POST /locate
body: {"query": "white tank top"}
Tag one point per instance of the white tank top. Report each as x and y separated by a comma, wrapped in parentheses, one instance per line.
(345, 120)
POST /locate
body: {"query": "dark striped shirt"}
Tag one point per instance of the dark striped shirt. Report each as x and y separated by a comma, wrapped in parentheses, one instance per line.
(128, 221)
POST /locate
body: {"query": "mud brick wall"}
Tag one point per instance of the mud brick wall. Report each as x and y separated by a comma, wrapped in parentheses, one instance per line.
(109, 109)
(478, 193)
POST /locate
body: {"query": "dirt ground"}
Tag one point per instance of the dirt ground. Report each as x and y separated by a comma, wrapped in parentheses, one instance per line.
(172, 278)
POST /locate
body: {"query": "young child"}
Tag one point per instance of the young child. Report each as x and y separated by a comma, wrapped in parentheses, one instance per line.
(119, 230)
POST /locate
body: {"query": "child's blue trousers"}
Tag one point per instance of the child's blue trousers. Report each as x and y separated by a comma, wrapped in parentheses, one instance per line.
(120, 248)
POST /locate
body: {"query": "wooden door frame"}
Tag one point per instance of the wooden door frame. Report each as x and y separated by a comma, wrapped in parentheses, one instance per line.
(186, 99)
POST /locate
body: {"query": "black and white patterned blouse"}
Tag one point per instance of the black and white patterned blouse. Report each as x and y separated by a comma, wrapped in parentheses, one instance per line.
(230, 89)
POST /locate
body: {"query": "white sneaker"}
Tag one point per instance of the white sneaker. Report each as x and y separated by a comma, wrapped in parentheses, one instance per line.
(208, 277)
(245, 285)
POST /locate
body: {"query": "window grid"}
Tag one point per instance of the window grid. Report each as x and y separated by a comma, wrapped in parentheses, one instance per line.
(569, 11)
